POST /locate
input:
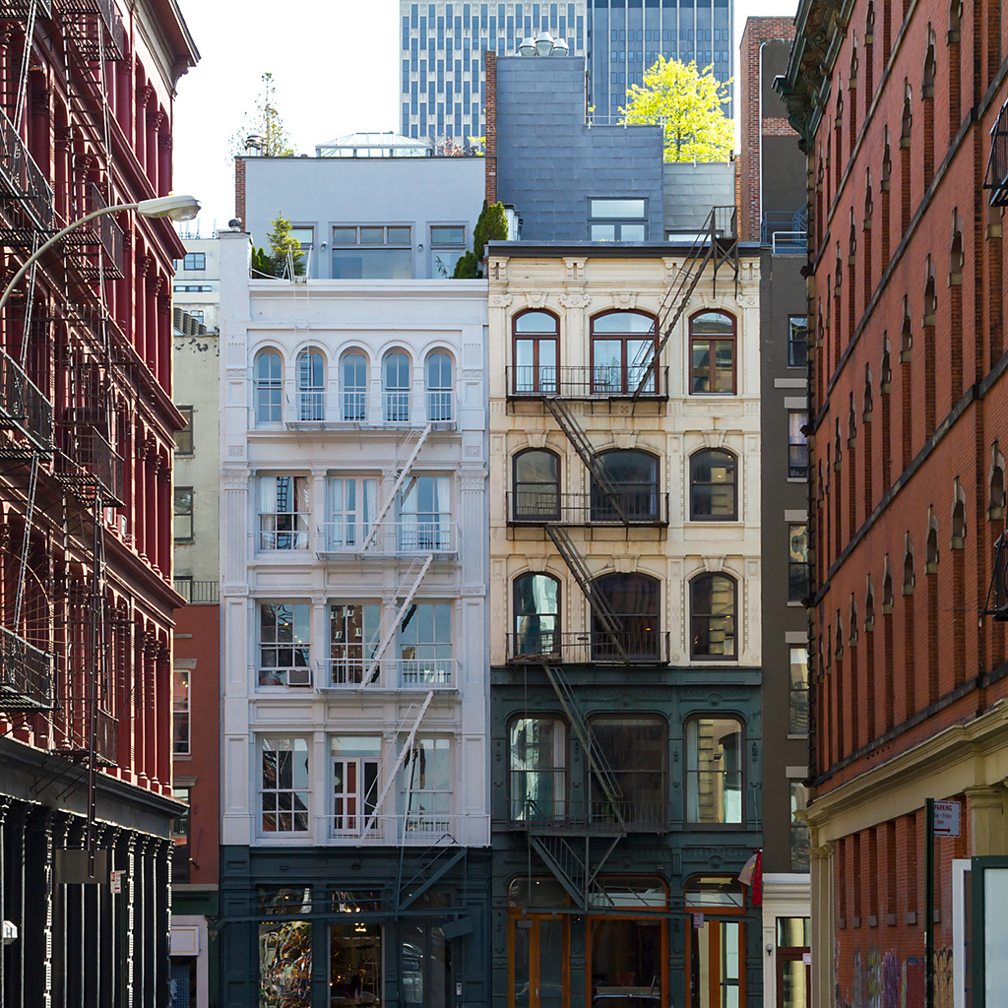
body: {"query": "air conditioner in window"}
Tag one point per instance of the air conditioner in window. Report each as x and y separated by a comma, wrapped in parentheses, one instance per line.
(299, 677)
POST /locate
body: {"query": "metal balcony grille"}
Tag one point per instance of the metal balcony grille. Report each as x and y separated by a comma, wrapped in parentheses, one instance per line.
(85, 19)
(602, 815)
(544, 507)
(996, 179)
(198, 592)
(584, 382)
(87, 464)
(98, 248)
(72, 733)
(620, 648)
(21, 179)
(25, 411)
(26, 675)
(17, 10)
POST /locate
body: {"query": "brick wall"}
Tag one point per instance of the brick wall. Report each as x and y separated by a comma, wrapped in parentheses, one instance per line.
(240, 191)
(490, 117)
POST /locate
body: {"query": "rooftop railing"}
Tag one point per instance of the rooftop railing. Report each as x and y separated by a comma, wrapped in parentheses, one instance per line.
(785, 232)
(26, 674)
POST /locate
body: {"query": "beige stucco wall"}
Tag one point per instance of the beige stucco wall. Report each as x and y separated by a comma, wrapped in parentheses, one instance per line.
(577, 287)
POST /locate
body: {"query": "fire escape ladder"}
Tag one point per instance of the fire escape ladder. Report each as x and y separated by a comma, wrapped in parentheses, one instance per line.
(407, 453)
(577, 436)
(567, 865)
(600, 608)
(598, 762)
(399, 760)
(716, 243)
(435, 862)
(96, 660)
(412, 578)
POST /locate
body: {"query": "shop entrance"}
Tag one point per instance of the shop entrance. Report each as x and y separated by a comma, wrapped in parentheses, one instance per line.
(540, 951)
(715, 977)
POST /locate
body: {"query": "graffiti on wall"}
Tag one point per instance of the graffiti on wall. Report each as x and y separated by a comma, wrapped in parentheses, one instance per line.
(884, 980)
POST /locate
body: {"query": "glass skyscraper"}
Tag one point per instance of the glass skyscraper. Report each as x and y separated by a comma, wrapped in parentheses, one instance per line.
(443, 43)
(625, 37)
(442, 52)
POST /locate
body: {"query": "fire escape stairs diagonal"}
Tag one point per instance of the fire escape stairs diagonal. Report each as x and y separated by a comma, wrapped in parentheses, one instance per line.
(405, 459)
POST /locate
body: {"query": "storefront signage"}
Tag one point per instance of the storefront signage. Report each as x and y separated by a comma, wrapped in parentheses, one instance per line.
(947, 818)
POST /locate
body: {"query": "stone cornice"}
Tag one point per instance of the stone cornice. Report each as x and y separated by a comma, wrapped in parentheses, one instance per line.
(820, 29)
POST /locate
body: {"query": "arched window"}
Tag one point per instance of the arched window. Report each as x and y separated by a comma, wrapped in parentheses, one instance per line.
(996, 505)
(311, 385)
(634, 600)
(635, 747)
(623, 346)
(537, 749)
(536, 355)
(713, 490)
(536, 486)
(712, 616)
(931, 545)
(712, 353)
(714, 770)
(869, 607)
(909, 577)
(396, 387)
(958, 515)
(633, 476)
(887, 587)
(354, 377)
(268, 387)
(536, 615)
(438, 374)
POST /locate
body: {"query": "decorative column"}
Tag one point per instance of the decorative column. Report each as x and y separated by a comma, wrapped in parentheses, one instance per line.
(139, 707)
(164, 724)
(152, 708)
(164, 333)
(986, 806)
(821, 891)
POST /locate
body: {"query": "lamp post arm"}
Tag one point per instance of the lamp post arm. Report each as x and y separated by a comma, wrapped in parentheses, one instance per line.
(59, 236)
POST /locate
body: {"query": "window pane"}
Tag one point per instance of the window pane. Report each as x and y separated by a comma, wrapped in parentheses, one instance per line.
(623, 322)
(398, 236)
(631, 232)
(610, 208)
(797, 341)
(798, 721)
(714, 770)
(712, 617)
(712, 324)
(285, 953)
(634, 599)
(538, 757)
(603, 232)
(372, 236)
(535, 322)
(344, 236)
(536, 609)
(799, 830)
(635, 748)
(713, 491)
(374, 264)
(184, 437)
(443, 234)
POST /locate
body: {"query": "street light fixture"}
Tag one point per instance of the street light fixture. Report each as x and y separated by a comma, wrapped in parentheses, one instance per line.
(544, 44)
(172, 207)
(527, 47)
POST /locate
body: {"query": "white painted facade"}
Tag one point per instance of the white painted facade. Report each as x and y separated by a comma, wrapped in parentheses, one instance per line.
(370, 769)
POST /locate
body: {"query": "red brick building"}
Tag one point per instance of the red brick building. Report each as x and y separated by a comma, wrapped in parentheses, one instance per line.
(895, 103)
(86, 426)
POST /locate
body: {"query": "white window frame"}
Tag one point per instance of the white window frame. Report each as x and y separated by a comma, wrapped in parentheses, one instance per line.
(275, 741)
(302, 673)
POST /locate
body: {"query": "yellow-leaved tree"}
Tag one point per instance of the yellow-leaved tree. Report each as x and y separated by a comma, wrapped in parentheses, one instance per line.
(689, 104)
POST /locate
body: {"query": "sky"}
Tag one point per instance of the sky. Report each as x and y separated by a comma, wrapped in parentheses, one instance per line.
(336, 69)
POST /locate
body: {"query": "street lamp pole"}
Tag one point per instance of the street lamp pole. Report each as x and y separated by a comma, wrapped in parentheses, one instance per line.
(178, 208)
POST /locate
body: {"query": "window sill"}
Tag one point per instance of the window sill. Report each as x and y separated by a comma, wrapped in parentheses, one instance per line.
(797, 738)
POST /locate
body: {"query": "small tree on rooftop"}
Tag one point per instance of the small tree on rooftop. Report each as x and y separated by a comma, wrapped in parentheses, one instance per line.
(491, 226)
(282, 243)
(689, 104)
(266, 123)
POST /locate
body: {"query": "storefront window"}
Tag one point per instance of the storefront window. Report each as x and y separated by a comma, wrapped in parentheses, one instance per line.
(715, 976)
(285, 951)
(355, 964)
(425, 971)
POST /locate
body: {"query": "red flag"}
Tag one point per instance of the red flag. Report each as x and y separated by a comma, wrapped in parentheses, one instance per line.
(752, 876)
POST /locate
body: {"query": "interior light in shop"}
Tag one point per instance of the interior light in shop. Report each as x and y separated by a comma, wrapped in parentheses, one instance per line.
(360, 928)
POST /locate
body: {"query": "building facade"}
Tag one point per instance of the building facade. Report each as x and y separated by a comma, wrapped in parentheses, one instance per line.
(196, 656)
(443, 43)
(625, 625)
(772, 198)
(196, 286)
(900, 111)
(86, 425)
(355, 829)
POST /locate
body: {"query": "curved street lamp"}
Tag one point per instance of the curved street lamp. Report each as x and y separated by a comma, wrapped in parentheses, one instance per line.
(176, 208)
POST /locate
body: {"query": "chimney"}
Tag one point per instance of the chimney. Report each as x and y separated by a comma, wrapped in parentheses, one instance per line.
(490, 112)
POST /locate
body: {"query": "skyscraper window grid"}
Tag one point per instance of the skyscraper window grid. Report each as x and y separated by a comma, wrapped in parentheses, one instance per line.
(628, 36)
(442, 54)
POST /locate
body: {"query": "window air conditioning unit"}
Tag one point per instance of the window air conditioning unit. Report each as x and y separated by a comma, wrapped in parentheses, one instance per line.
(299, 677)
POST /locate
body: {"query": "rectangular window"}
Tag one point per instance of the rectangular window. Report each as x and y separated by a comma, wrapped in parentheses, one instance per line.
(284, 644)
(284, 789)
(196, 313)
(799, 829)
(285, 959)
(351, 506)
(425, 645)
(713, 770)
(427, 786)
(798, 719)
(180, 830)
(356, 771)
(797, 444)
(184, 437)
(448, 245)
(354, 632)
(183, 522)
(284, 512)
(617, 219)
(180, 712)
(635, 748)
(797, 343)
(538, 758)
(425, 515)
(798, 563)
(194, 261)
(372, 252)
(304, 236)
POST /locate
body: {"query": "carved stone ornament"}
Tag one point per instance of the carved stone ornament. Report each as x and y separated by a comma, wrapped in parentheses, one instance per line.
(500, 300)
(575, 300)
(537, 299)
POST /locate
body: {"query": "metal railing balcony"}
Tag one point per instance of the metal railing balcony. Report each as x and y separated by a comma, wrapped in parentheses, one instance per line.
(545, 507)
(547, 647)
(420, 828)
(785, 231)
(25, 409)
(389, 673)
(996, 175)
(27, 679)
(360, 408)
(108, 20)
(585, 382)
(72, 732)
(549, 814)
(104, 234)
(198, 592)
(403, 538)
(89, 464)
(21, 178)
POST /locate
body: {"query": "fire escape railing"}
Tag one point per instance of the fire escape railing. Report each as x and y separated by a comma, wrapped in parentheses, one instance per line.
(996, 177)
(88, 465)
(22, 180)
(587, 648)
(582, 382)
(544, 507)
(98, 248)
(27, 675)
(18, 10)
(85, 19)
(24, 409)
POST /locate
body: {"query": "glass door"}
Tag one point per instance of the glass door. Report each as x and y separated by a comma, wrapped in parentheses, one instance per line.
(539, 956)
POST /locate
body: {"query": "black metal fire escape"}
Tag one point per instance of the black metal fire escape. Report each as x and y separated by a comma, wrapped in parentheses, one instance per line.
(996, 177)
